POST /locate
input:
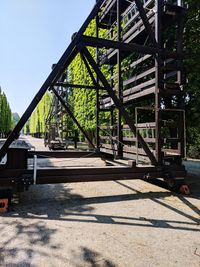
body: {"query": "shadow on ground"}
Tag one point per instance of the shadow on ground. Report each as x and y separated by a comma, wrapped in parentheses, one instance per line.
(58, 202)
(36, 235)
(74, 207)
(21, 239)
(90, 258)
(194, 184)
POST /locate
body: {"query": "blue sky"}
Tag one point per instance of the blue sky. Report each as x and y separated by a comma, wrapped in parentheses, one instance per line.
(34, 34)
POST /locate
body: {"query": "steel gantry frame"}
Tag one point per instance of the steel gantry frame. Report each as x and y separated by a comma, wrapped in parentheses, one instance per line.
(143, 49)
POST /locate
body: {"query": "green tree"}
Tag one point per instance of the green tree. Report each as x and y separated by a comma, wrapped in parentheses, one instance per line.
(192, 63)
(6, 121)
(83, 101)
(16, 118)
(39, 115)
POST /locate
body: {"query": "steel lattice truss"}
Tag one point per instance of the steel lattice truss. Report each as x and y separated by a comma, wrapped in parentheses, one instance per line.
(143, 49)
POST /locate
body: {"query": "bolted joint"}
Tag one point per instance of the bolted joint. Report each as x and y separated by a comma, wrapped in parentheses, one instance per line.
(147, 176)
(27, 181)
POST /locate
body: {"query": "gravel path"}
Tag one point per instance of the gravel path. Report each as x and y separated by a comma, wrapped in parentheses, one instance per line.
(111, 224)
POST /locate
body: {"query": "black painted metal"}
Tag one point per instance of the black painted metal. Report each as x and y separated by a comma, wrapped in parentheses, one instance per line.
(158, 86)
(57, 71)
(97, 91)
(119, 105)
(120, 83)
(81, 86)
(81, 174)
(64, 154)
(146, 22)
(65, 105)
(89, 69)
(126, 47)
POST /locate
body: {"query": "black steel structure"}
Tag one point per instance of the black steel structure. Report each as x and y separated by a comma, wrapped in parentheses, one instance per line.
(142, 48)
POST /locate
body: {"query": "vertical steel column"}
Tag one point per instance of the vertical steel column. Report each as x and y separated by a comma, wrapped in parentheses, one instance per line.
(112, 119)
(180, 44)
(180, 78)
(119, 105)
(158, 75)
(65, 105)
(120, 84)
(97, 90)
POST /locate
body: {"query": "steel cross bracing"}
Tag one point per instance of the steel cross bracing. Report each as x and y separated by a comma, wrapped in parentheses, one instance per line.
(143, 49)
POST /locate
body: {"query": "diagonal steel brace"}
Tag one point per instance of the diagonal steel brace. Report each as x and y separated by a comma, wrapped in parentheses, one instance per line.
(119, 105)
(64, 104)
(51, 80)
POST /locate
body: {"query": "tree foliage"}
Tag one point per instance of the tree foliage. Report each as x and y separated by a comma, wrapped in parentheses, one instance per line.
(83, 101)
(16, 118)
(192, 63)
(39, 115)
(6, 122)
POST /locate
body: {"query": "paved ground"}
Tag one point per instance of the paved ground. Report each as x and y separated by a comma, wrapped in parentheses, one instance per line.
(193, 166)
(36, 143)
(126, 223)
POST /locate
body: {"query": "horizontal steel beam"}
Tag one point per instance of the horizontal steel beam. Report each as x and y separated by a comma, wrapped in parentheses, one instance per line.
(92, 178)
(119, 105)
(81, 174)
(63, 154)
(81, 86)
(68, 110)
(129, 47)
